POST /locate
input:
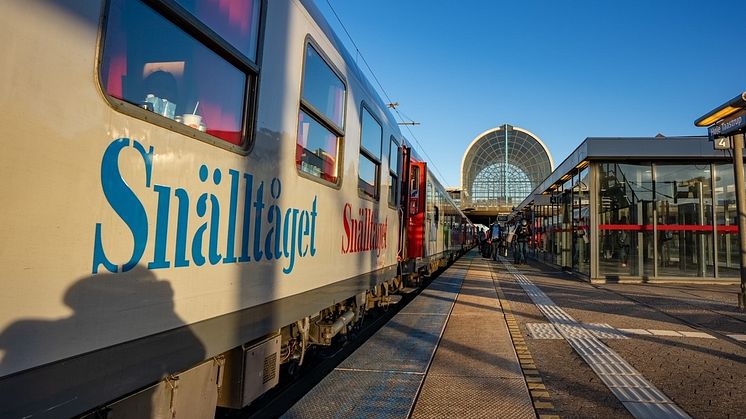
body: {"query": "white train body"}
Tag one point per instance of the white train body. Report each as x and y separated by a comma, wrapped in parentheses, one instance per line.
(133, 245)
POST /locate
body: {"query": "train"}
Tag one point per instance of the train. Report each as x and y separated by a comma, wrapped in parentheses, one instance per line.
(196, 193)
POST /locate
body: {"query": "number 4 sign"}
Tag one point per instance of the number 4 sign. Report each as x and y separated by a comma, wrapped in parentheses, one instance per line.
(722, 143)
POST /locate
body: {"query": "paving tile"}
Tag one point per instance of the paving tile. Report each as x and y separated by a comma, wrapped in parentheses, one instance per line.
(635, 331)
(542, 331)
(639, 394)
(655, 410)
(624, 381)
(702, 335)
(359, 394)
(656, 332)
(462, 397)
(604, 331)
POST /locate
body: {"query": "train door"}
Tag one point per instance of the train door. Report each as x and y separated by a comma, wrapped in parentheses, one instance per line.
(397, 154)
(404, 201)
(416, 209)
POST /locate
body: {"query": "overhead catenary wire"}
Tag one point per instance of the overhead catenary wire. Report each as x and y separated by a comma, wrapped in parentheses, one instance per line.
(399, 114)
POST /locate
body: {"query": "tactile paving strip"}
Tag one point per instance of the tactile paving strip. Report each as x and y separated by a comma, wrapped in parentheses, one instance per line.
(550, 331)
(639, 396)
(542, 331)
(604, 331)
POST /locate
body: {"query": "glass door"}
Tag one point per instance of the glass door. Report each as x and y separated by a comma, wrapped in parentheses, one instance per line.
(684, 228)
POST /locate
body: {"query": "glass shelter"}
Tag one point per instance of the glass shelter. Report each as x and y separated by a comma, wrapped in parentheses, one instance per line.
(643, 209)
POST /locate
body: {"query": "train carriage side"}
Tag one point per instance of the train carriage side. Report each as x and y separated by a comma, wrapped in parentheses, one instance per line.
(185, 185)
(440, 229)
(435, 226)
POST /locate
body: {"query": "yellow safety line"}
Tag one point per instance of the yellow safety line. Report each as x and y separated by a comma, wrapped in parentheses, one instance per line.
(539, 395)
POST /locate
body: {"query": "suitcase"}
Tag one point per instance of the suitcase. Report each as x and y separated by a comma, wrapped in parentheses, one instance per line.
(486, 250)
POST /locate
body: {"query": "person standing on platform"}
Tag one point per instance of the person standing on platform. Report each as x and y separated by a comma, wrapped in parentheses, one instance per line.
(664, 237)
(510, 242)
(523, 233)
(496, 234)
(623, 241)
(484, 246)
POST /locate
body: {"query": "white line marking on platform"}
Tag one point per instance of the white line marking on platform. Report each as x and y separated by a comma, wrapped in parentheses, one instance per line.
(739, 337)
(635, 331)
(702, 335)
(676, 333)
(664, 332)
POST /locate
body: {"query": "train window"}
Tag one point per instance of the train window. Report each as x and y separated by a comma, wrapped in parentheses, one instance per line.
(151, 62)
(414, 181)
(371, 139)
(236, 21)
(316, 151)
(393, 171)
(323, 90)
(414, 190)
(368, 176)
(320, 119)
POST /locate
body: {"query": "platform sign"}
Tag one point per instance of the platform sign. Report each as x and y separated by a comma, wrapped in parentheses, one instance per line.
(722, 143)
(728, 126)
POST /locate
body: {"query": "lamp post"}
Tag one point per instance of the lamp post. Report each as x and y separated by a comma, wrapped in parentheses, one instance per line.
(728, 121)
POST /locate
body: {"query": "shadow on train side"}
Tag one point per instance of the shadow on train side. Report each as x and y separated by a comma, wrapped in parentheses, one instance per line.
(83, 14)
(101, 306)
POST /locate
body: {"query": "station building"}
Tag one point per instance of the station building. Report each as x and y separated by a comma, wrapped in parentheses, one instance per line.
(499, 169)
(638, 209)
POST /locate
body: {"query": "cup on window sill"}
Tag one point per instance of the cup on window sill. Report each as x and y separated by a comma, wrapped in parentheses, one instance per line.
(192, 120)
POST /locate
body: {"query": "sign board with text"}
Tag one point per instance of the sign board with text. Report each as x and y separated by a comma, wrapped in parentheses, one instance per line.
(728, 126)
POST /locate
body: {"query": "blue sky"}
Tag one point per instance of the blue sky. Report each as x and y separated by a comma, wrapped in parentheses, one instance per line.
(564, 70)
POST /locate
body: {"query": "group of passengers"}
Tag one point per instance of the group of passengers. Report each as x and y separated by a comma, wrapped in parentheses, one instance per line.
(498, 239)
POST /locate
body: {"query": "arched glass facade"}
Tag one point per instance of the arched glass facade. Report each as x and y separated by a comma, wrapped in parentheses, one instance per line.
(501, 167)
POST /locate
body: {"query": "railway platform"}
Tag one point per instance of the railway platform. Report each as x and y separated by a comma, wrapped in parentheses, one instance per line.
(490, 339)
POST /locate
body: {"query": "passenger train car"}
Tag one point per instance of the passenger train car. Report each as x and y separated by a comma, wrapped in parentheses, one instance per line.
(436, 229)
(195, 192)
